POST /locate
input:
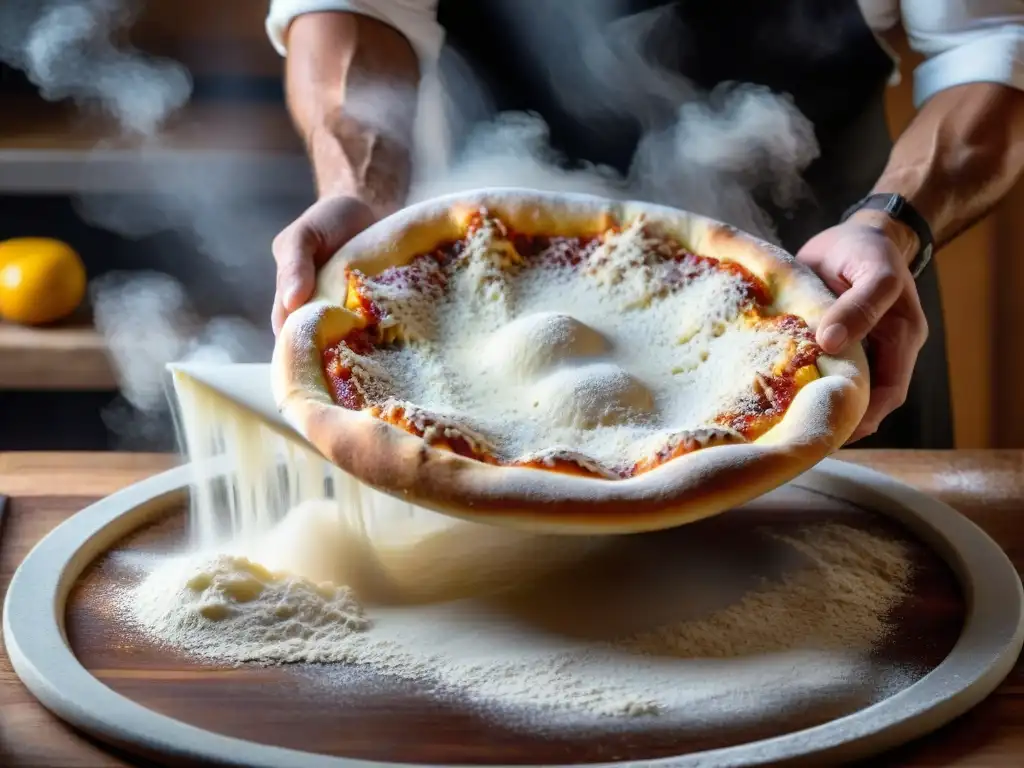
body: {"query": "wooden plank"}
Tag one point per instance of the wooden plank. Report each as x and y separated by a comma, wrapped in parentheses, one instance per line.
(57, 149)
(987, 486)
(30, 737)
(1007, 336)
(86, 473)
(31, 123)
(66, 357)
(83, 171)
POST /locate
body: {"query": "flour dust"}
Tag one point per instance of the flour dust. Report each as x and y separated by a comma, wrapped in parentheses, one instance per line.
(636, 631)
(290, 561)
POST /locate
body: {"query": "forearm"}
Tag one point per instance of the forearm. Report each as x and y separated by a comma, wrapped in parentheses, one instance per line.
(961, 154)
(351, 85)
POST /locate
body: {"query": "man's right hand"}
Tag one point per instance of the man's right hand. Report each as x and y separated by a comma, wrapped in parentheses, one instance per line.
(307, 243)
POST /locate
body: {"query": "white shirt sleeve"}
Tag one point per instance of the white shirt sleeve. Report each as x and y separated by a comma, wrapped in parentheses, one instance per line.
(415, 19)
(965, 41)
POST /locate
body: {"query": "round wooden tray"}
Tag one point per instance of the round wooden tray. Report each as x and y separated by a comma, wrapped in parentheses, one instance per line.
(955, 638)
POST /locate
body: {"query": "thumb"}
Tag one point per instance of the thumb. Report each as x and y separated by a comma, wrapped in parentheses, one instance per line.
(859, 309)
(294, 253)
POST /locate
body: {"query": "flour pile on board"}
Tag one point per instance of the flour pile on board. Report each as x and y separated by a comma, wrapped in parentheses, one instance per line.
(293, 568)
(801, 637)
(232, 609)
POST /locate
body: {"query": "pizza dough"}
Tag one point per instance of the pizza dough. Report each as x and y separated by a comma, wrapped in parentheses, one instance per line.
(566, 362)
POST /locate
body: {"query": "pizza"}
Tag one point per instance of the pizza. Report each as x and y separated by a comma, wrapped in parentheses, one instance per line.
(566, 362)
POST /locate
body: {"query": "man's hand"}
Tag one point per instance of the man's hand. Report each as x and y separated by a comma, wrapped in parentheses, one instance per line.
(351, 82)
(307, 243)
(878, 301)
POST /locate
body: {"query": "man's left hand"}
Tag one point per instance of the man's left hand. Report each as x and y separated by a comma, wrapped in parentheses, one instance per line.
(877, 301)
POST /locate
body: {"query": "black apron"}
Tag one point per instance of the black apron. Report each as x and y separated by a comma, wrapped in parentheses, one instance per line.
(531, 56)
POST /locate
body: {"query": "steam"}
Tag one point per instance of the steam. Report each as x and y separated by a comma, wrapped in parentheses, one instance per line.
(165, 327)
(65, 48)
(513, 150)
(148, 321)
(716, 154)
(69, 49)
(723, 149)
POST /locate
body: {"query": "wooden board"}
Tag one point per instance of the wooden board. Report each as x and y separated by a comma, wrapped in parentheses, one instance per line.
(87, 475)
(58, 148)
(281, 708)
(397, 721)
(31, 123)
(68, 356)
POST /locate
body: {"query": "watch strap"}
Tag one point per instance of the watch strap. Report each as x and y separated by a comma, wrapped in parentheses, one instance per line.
(898, 208)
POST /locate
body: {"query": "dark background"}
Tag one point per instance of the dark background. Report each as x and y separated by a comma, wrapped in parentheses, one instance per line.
(76, 420)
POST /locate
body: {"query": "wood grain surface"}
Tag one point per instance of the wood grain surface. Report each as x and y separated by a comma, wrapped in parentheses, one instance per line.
(33, 124)
(987, 486)
(70, 356)
(366, 715)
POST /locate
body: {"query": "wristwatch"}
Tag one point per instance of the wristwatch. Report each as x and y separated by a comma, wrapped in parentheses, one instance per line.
(898, 209)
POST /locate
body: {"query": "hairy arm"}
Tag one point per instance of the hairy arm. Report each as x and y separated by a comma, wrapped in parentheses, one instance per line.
(351, 84)
(961, 154)
(957, 159)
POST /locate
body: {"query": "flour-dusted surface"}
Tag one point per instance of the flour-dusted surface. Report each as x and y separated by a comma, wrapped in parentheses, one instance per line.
(620, 639)
(607, 359)
(231, 609)
(802, 638)
(716, 620)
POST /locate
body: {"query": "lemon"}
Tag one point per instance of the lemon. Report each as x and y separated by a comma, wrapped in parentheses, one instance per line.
(41, 280)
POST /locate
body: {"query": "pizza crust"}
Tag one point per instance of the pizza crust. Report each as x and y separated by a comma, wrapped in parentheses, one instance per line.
(821, 417)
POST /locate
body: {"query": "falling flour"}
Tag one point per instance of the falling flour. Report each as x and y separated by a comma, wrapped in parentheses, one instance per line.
(802, 635)
(292, 561)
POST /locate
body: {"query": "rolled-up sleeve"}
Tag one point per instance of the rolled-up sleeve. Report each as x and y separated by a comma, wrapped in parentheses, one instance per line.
(965, 41)
(415, 19)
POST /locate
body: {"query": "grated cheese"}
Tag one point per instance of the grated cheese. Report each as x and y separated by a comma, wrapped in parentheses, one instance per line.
(600, 360)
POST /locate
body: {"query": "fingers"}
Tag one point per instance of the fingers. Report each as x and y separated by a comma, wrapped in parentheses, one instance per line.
(884, 400)
(877, 299)
(895, 355)
(306, 244)
(295, 250)
(860, 308)
(277, 315)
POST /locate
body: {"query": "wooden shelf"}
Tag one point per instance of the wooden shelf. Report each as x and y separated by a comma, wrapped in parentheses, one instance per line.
(248, 146)
(31, 123)
(57, 148)
(66, 357)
